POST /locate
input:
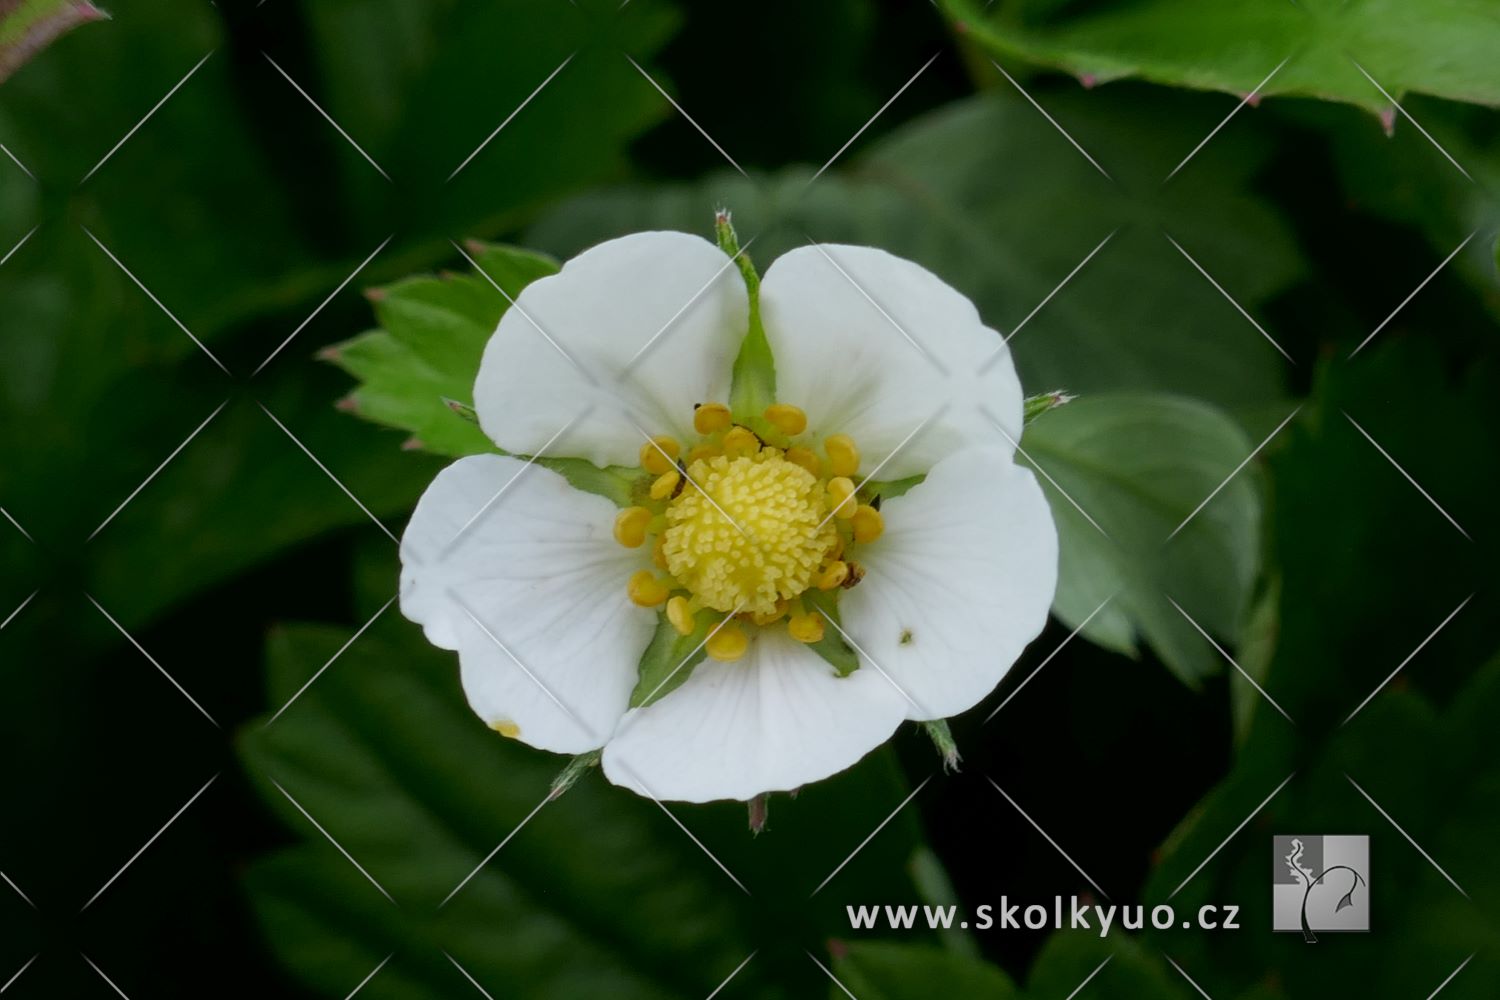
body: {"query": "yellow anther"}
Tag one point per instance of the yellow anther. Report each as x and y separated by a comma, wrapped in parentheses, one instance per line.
(710, 418)
(867, 523)
(659, 552)
(806, 627)
(666, 484)
(834, 575)
(728, 643)
(740, 441)
(680, 614)
(701, 452)
(659, 454)
(767, 617)
(630, 526)
(788, 419)
(841, 497)
(843, 456)
(506, 728)
(806, 458)
(645, 589)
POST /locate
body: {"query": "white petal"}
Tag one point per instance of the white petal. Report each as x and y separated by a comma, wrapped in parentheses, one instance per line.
(651, 323)
(772, 721)
(538, 574)
(872, 346)
(958, 584)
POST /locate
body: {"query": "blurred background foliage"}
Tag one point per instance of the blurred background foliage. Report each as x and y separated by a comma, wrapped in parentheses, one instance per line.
(244, 212)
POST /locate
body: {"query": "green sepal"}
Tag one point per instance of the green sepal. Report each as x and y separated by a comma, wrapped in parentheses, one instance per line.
(28, 26)
(832, 647)
(615, 483)
(669, 660)
(891, 488)
(575, 769)
(1035, 406)
(753, 377)
(942, 738)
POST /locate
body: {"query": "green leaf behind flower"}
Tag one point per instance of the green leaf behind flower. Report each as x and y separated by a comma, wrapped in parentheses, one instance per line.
(883, 970)
(27, 26)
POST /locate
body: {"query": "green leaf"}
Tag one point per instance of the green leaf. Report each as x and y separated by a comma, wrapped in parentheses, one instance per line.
(28, 26)
(1138, 467)
(1134, 972)
(879, 970)
(1444, 48)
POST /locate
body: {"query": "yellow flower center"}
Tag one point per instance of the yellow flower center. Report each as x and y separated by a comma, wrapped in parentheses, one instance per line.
(753, 532)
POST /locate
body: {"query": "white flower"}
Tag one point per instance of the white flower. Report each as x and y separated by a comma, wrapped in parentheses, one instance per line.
(551, 595)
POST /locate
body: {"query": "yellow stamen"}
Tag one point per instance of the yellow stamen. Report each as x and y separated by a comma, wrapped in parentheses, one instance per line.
(506, 728)
(630, 526)
(841, 497)
(711, 418)
(658, 454)
(867, 523)
(645, 589)
(788, 419)
(843, 456)
(680, 614)
(834, 576)
(665, 485)
(741, 441)
(766, 618)
(806, 627)
(658, 553)
(806, 458)
(701, 452)
(728, 643)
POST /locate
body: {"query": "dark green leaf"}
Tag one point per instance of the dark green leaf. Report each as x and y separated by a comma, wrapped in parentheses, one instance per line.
(27, 26)
(878, 970)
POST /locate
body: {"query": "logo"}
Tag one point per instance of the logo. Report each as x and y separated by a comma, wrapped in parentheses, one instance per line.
(1320, 883)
